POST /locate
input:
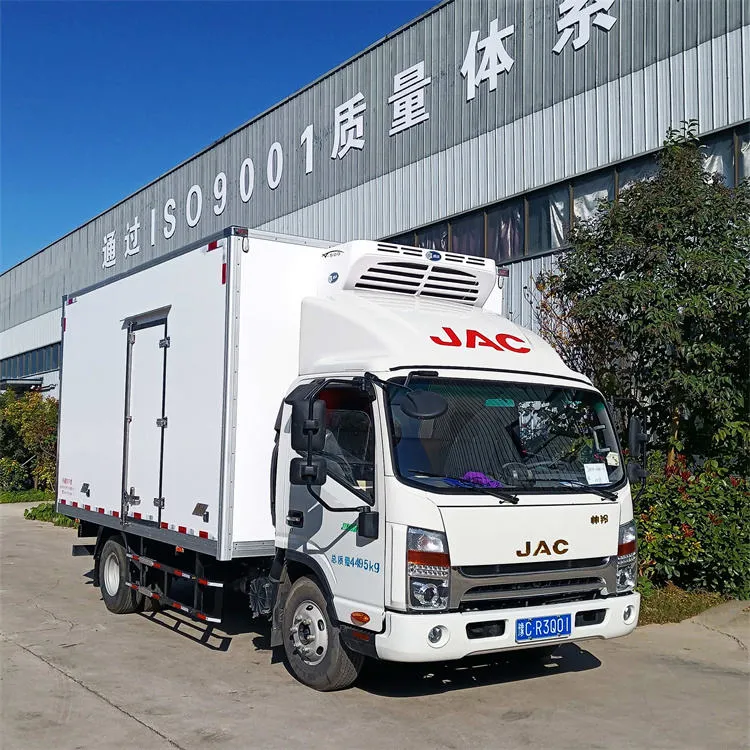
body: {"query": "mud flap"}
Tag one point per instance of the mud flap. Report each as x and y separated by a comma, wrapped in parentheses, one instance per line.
(280, 578)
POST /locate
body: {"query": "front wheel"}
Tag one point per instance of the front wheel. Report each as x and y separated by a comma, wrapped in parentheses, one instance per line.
(313, 648)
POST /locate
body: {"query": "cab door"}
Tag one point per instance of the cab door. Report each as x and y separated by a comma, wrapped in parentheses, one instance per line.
(353, 566)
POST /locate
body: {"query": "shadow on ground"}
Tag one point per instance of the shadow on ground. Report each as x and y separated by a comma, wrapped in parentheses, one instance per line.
(386, 679)
(409, 680)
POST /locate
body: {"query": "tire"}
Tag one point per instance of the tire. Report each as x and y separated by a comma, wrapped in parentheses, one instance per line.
(314, 652)
(114, 571)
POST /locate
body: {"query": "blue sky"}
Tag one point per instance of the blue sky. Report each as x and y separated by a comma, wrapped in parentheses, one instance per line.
(98, 98)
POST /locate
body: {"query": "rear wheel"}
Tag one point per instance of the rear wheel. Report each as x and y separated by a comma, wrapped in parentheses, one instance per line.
(114, 572)
(313, 648)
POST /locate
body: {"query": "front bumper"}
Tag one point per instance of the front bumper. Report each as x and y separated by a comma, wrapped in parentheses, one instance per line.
(405, 635)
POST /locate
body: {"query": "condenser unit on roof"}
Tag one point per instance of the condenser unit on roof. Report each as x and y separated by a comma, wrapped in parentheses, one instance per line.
(384, 267)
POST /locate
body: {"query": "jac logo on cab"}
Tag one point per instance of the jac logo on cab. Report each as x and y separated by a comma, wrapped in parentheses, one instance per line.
(559, 547)
(501, 342)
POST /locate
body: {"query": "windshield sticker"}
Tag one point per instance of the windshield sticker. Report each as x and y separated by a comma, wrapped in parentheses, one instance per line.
(613, 459)
(596, 473)
(499, 402)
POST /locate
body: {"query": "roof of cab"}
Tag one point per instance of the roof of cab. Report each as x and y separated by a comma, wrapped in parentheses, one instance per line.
(364, 331)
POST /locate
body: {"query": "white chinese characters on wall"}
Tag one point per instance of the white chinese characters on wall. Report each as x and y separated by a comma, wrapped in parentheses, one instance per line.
(580, 15)
(495, 58)
(349, 126)
(407, 99)
(132, 241)
(109, 251)
(487, 59)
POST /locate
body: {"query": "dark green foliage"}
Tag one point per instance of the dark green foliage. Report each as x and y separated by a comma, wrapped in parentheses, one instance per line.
(672, 604)
(46, 512)
(11, 444)
(653, 302)
(29, 428)
(694, 528)
(26, 496)
(13, 476)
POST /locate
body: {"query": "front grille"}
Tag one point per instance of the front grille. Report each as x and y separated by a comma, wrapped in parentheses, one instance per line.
(484, 587)
(506, 595)
(482, 571)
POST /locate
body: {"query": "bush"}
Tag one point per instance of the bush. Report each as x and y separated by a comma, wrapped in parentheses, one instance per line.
(26, 496)
(670, 604)
(13, 476)
(694, 528)
(29, 424)
(46, 512)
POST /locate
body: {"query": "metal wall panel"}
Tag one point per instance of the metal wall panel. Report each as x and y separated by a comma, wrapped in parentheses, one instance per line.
(31, 334)
(519, 288)
(550, 117)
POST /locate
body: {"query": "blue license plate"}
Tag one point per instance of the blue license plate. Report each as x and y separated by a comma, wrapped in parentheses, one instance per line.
(542, 628)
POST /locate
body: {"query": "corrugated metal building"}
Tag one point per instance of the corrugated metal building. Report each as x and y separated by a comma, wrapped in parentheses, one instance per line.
(484, 127)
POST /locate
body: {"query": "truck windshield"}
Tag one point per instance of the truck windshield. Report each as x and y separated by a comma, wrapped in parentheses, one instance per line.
(495, 435)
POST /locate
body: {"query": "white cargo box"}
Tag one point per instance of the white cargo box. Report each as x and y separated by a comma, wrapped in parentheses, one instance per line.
(172, 376)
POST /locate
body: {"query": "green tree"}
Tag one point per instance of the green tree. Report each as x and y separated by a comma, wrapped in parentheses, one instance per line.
(33, 419)
(11, 445)
(653, 303)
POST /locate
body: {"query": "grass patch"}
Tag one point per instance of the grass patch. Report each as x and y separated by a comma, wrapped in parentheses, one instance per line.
(46, 512)
(672, 604)
(27, 496)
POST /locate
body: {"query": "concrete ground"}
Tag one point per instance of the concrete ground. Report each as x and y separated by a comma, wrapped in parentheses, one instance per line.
(76, 676)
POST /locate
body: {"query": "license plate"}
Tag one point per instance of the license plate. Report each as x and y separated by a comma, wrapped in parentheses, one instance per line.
(542, 628)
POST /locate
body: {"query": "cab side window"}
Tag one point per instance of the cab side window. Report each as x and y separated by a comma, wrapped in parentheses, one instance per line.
(349, 449)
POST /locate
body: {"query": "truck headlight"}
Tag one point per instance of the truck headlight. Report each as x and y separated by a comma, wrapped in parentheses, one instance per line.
(627, 562)
(428, 569)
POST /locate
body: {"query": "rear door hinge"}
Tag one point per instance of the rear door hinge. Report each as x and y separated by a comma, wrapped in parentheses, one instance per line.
(164, 343)
(159, 502)
(161, 422)
(131, 498)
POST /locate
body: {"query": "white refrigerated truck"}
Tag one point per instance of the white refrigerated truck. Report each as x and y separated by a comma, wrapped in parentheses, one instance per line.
(353, 438)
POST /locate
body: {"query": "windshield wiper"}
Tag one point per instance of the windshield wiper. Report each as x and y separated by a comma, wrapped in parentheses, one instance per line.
(606, 494)
(467, 484)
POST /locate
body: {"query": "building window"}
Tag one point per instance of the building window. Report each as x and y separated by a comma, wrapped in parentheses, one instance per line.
(467, 235)
(589, 192)
(33, 362)
(403, 239)
(505, 231)
(434, 237)
(636, 171)
(718, 157)
(743, 155)
(548, 219)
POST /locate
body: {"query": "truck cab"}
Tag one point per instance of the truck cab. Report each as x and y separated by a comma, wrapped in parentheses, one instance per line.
(447, 484)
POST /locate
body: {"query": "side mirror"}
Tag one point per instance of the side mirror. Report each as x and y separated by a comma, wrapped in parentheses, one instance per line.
(637, 439)
(314, 473)
(306, 428)
(636, 473)
(367, 524)
(423, 405)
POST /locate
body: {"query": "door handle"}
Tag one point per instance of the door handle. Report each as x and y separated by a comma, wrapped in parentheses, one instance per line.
(295, 519)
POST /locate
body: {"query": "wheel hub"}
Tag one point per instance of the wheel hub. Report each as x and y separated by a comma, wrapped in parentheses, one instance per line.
(309, 633)
(112, 574)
